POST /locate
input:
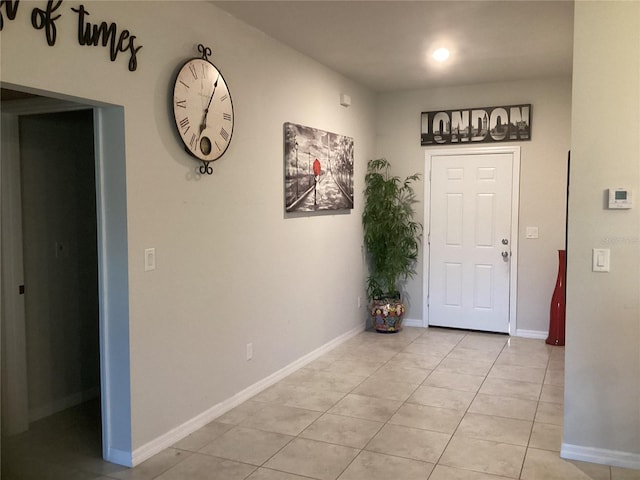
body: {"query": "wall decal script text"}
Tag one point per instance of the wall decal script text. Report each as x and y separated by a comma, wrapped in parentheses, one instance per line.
(88, 34)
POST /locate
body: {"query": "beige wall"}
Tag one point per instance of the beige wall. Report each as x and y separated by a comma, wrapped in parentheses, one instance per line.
(602, 386)
(231, 269)
(543, 175)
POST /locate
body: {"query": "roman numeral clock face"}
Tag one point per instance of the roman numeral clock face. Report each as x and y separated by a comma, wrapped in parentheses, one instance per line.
(203, 110)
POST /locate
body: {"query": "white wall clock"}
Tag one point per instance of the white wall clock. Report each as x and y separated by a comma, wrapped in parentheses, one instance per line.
(202, 109)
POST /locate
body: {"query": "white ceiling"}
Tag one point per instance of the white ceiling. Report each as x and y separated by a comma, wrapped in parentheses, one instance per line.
(386, 45)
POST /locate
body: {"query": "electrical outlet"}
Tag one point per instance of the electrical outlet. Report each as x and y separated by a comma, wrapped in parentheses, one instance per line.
(249, 351)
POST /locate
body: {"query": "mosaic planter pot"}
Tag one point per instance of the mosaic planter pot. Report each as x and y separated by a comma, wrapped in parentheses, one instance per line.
(387, 314)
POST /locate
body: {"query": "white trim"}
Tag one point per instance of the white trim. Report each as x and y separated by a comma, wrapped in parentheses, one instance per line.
(532, 334)
(603, 456)
(69, 401)
(166, 440)
(514, 150)
(515, 215)
(426, 252)
(412, 322)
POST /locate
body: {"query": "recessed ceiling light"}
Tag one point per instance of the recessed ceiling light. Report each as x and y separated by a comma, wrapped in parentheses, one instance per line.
(441, 54)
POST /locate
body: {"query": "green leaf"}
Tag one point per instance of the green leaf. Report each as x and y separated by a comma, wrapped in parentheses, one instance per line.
(391, 235)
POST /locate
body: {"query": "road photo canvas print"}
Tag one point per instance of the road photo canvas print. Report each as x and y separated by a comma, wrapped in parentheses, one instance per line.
(318, 170)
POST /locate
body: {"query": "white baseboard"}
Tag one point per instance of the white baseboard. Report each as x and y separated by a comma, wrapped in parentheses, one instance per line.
(60, 404)
(532, 334)
(600, 455)
(412, 322)
(166, 440)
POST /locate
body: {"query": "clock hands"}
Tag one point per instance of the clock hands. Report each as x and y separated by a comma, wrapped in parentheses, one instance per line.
(205, 142)
(206, 110)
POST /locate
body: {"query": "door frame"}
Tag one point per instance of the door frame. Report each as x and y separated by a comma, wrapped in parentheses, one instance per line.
(113, 284)
(514, 151)
(14, 384)
(13, 271)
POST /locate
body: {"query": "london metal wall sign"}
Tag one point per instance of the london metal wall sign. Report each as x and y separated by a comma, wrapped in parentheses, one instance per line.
(476, 125)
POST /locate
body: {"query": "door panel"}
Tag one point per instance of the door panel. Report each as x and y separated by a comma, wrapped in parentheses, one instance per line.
(470, 221)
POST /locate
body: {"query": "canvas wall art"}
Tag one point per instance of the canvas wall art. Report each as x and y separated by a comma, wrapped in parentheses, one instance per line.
(318, 170)
(476, 125)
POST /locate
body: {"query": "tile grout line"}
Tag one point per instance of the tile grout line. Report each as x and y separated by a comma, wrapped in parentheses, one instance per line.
(383, 424)
(360, 450)
(535, 415)
(470, 403)
(350, 392)
(386, 422)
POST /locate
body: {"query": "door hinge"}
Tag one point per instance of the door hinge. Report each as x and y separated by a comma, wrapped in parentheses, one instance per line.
(21, 289)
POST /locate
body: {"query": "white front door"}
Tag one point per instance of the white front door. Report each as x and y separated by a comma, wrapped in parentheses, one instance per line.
(471, 239)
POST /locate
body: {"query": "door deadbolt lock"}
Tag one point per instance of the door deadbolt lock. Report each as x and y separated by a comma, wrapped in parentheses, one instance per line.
(505, 241)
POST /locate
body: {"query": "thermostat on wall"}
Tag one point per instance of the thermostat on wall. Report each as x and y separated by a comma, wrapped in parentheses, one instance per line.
(620, 198)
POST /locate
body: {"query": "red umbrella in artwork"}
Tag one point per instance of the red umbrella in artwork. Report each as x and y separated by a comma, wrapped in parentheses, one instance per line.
(316, 171)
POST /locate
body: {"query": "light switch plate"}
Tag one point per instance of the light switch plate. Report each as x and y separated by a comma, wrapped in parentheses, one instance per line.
(149, 259)
(601, 260)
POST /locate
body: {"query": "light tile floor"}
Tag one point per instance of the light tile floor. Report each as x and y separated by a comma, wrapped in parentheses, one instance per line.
(422, 404)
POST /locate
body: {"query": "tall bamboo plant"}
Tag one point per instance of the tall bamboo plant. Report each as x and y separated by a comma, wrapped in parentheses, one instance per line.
(391, 236)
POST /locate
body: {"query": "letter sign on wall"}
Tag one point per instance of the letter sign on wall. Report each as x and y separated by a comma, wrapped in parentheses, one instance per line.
(89, 34)
(511, 123)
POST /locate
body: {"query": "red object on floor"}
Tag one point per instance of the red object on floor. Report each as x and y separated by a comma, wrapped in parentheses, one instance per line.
(558, 307)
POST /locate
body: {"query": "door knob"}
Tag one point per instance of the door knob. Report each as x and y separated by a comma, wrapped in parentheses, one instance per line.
(505, 255)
